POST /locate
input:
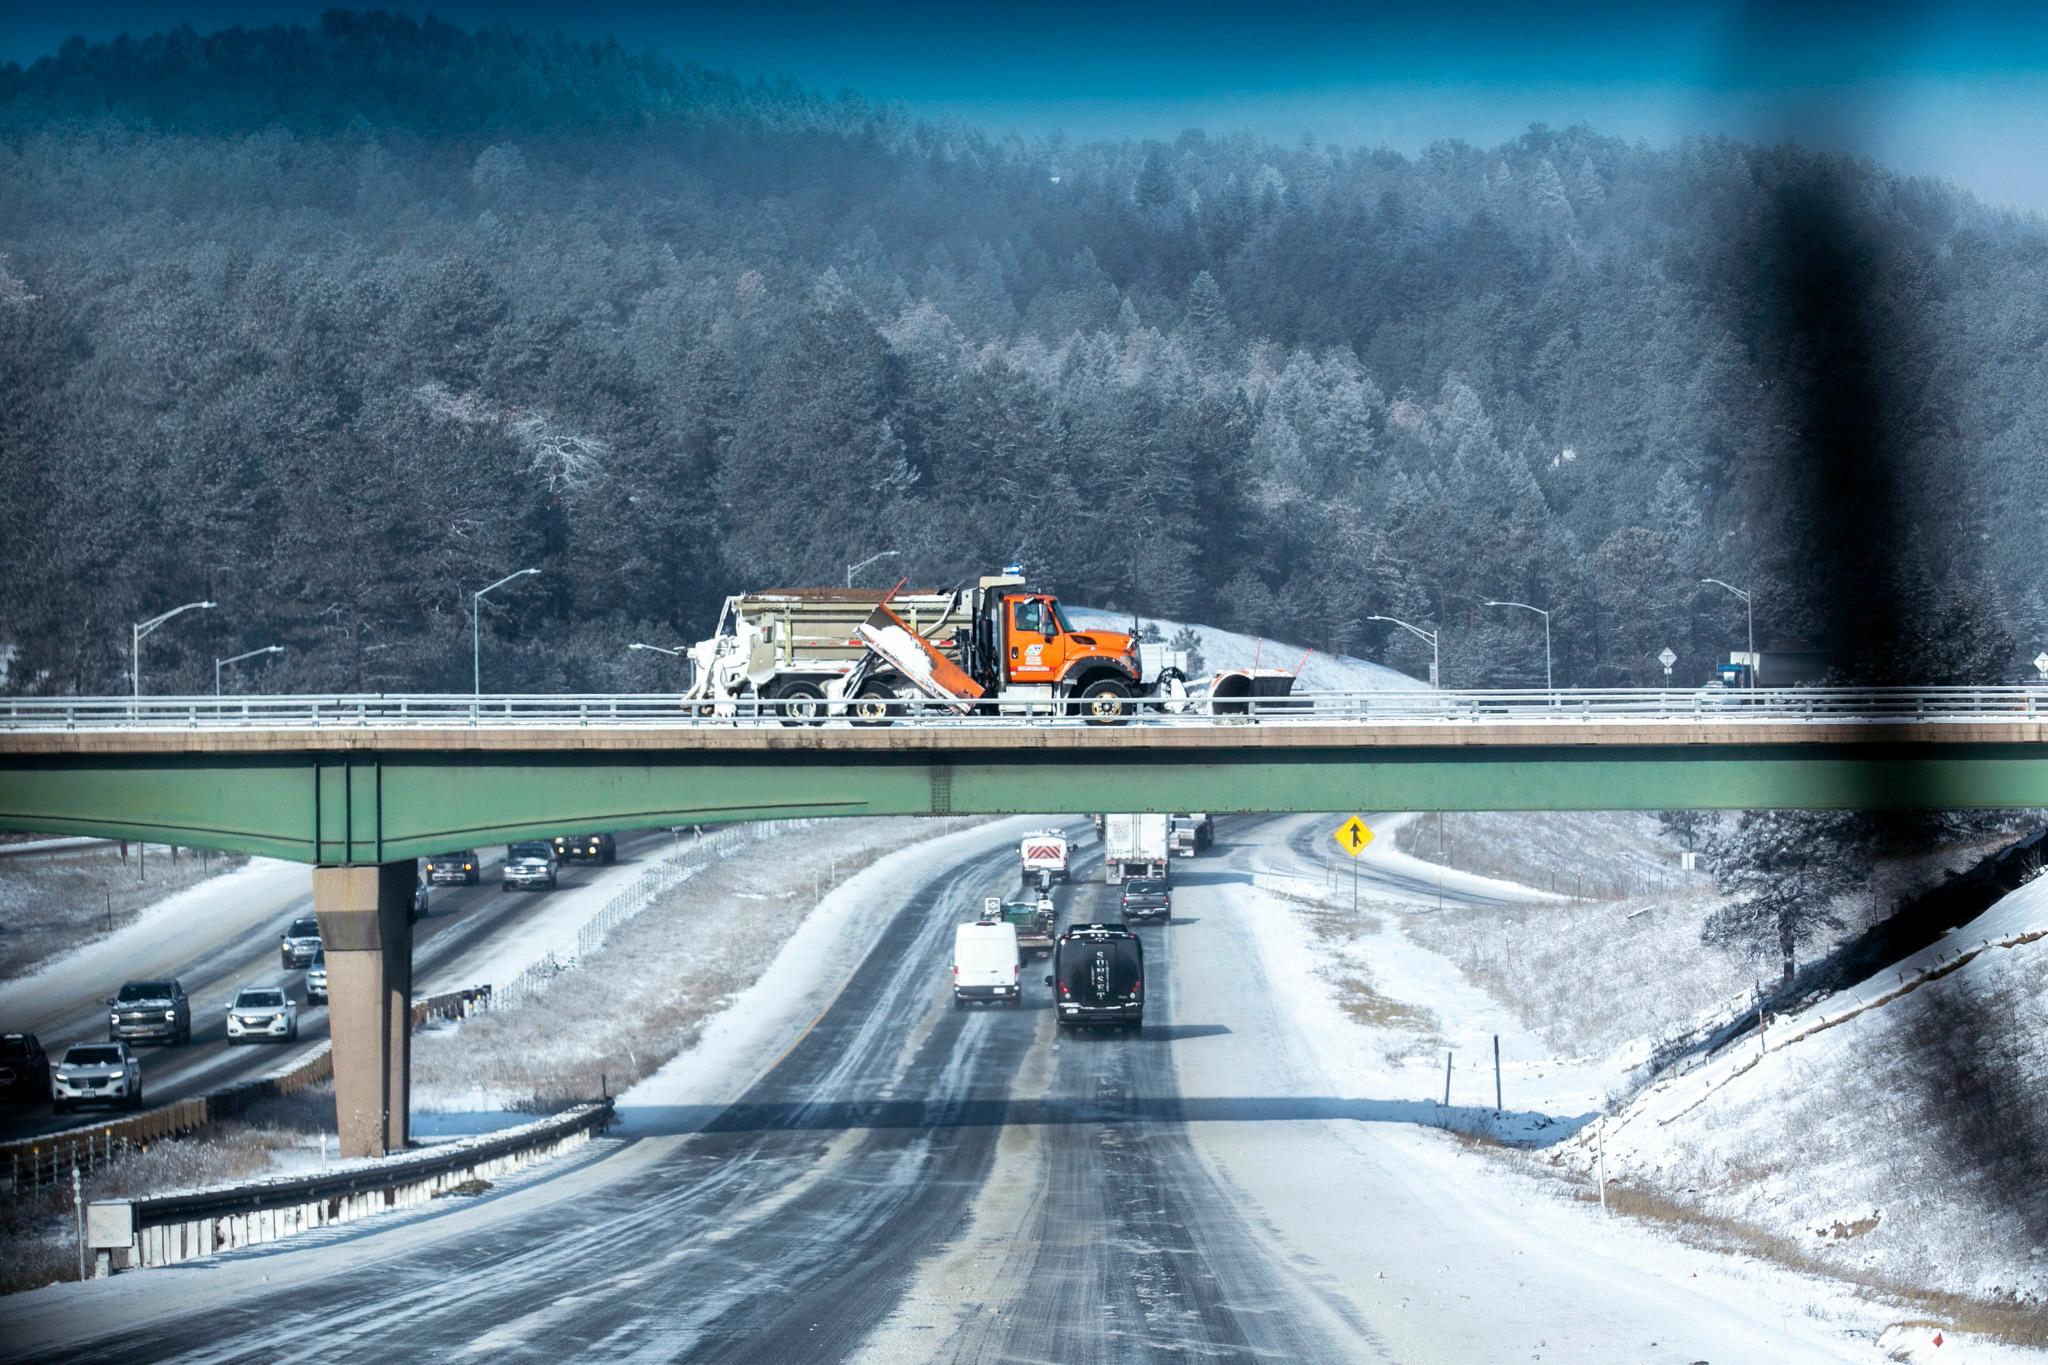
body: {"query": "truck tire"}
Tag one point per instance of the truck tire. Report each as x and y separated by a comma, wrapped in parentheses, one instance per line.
(1105, 702)
(875, 705)
(803, 704)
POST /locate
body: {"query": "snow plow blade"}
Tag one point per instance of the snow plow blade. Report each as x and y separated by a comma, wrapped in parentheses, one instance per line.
(1231, 693)
(918, 660)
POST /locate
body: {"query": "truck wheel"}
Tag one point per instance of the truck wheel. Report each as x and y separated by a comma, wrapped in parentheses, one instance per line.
(958, 1003)
(802, 704)
(875, 705)
(1105, 702)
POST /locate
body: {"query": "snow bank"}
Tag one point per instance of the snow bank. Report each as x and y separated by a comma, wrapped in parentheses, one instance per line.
(1226, 649)
(1894, 1127)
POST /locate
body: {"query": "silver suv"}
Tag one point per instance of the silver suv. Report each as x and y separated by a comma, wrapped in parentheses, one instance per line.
(300, 940)
(316, 979)
(96, 1073)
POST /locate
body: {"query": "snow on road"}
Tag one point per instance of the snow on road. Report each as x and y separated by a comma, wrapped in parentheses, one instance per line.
(1443, 1251)
(164, 941)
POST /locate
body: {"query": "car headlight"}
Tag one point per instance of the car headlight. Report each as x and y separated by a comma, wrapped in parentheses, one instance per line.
(170, 1014)
(113, 1019)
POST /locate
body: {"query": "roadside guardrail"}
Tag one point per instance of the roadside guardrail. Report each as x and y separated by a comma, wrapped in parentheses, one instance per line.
(38, 1161)
(666, 710)
(126, 1234)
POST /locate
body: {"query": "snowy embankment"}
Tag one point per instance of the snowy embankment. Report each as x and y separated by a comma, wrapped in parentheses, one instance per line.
(1223, 649)
(1895, 1129)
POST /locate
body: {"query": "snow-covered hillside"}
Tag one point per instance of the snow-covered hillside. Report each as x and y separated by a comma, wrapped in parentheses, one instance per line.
(1227, 649)
(1895, 1129)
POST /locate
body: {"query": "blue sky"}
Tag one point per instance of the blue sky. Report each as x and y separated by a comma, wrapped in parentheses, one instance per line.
(1954, 90)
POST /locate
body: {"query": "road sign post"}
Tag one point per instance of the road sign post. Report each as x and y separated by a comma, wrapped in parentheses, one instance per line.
(1352, 836)
(1667, 658)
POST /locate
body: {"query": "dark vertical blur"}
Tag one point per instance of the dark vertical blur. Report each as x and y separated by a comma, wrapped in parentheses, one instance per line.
(1857, 502)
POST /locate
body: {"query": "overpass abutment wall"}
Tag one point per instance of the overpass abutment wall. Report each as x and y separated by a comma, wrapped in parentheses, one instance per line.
(365, 917)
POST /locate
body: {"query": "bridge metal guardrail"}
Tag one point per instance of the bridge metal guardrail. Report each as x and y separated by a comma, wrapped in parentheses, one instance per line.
(667, 711)
(165, 1229)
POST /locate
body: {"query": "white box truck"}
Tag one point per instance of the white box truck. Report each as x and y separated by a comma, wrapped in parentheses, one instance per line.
(1134, 846)
(1044, 850)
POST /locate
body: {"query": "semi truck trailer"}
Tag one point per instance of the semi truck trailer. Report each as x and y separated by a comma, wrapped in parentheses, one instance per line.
(1134, 847)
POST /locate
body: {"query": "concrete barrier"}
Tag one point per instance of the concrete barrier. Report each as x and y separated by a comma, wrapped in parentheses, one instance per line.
(128, 1234)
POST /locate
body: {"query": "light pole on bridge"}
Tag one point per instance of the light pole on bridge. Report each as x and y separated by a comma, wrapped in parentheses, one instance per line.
(476, 649)
(1756, 667)
(1546, 634)
(1435, 673)
(853, 569)
(142, 628)
(219, 664)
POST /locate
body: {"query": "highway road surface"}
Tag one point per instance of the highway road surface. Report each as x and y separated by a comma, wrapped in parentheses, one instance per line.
(909, 1182)
(213, 966)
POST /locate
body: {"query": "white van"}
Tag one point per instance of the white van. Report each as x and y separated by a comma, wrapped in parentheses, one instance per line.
(985, 964)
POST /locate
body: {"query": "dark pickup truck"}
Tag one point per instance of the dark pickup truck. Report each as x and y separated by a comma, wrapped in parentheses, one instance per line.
(1146, 899)
(586, 848)
(150, 1009)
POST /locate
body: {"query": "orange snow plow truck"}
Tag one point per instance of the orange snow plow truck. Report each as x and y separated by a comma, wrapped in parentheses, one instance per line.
(872, 657)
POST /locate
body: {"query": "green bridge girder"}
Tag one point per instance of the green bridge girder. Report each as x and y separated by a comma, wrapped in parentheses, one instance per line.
(372, 803)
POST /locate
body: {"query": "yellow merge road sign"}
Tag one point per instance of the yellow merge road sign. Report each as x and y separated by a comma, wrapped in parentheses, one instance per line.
(1353, 836)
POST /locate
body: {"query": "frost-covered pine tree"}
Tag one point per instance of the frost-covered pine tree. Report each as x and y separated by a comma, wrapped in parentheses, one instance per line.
(1781, 871)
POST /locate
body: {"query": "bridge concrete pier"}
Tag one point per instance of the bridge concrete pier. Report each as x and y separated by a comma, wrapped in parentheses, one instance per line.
(366, 930)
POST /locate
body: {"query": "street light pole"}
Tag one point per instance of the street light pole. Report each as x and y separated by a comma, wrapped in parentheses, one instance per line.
(142, 628)
(219, 664)
(1435, 673)
(1546, 635)
(853, 569)
(476, 649)
(1756, 667)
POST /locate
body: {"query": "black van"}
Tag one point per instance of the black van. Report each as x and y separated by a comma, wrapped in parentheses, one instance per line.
(1098, 977)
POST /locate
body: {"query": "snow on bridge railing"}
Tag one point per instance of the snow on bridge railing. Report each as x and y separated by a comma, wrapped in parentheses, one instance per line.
(666, 710)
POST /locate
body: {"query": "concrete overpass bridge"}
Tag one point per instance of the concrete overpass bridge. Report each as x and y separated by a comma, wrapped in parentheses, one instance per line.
(359, 787)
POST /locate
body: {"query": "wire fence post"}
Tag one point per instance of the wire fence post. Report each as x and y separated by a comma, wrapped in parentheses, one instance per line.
(1496, 1075)
(78, 1216)
(1447, 1080)
(1600, 1138)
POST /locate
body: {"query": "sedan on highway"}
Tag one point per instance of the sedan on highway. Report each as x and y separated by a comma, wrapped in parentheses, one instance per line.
(316, 979)
(262, 1014)
(96, 1073)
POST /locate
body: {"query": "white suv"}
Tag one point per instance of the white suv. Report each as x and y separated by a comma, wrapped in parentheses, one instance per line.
(262, 1014)
(96, 1073)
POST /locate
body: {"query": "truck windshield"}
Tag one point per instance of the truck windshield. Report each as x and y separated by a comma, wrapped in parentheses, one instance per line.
(1059, 618)
(541, 851)
(146, 990)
